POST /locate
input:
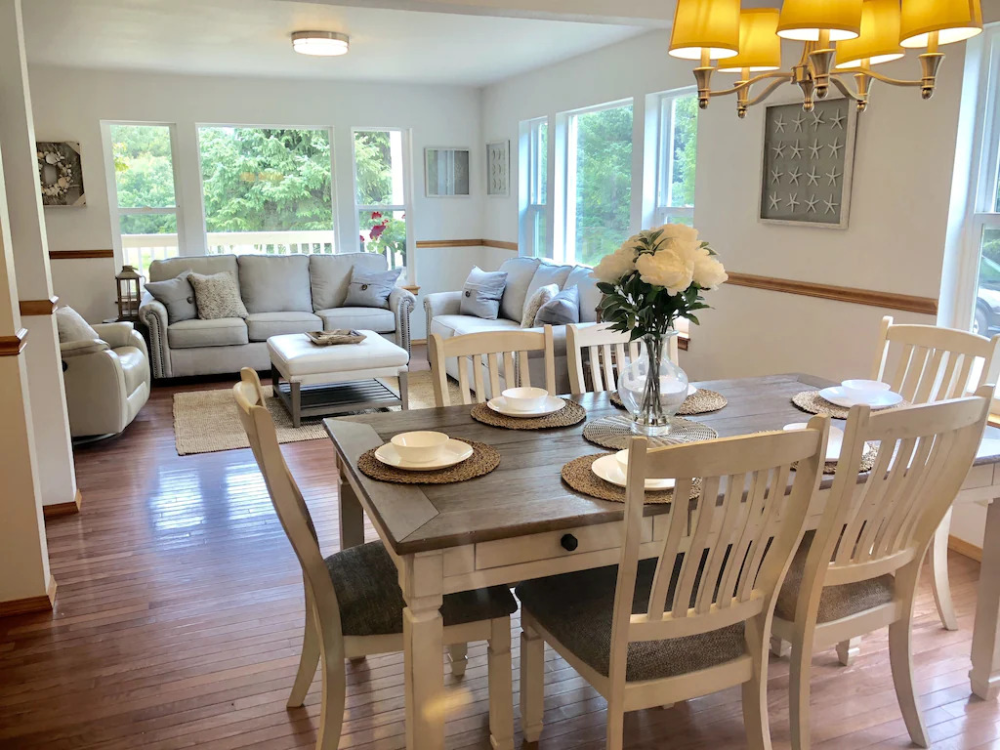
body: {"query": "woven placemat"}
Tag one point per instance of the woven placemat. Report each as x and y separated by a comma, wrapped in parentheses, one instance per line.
(615, 432)
(484, 459)
(701, 401)
(813, 403)
(572, 413)
(579, 476)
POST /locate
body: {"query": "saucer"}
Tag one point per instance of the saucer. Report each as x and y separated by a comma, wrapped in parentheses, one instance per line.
(834, 444)
(608, 469)
(881, 400)
(454, 452)
(552, 405)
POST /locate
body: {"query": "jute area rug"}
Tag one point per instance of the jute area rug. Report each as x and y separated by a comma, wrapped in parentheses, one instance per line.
(206, 421)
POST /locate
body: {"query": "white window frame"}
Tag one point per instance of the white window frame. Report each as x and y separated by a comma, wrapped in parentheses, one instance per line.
(117, 212)
(533, 203)
(663, 212)
(567, 123)
(406, 206)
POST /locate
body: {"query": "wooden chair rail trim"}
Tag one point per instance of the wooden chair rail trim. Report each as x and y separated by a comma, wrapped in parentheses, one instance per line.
(80, 254)
(42, 603)
(887, 300)
(39, 306)
(469, 243)
(11, 346)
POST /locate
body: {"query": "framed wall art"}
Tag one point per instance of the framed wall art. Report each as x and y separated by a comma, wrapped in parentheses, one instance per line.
(446, 172)
(60, 173)
(498, 168)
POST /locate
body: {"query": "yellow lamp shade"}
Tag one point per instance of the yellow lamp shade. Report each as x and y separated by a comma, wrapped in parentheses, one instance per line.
(712, 26)
(879, 40)
(953, 20)
(760, 46)
(805, 19)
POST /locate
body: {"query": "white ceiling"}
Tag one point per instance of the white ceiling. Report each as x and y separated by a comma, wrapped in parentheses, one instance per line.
(251, 38)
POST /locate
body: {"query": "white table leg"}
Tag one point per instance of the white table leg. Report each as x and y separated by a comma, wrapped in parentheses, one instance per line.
(423, 644)
(352, 516)
(985, 674)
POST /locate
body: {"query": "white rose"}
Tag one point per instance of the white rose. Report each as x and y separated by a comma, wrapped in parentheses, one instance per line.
(668, 269)
(709, 273)
(622, 261)
(677, 231)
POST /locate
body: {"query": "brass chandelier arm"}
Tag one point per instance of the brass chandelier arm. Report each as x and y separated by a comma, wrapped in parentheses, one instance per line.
(771, 88)
(739, 86)
(892, 81)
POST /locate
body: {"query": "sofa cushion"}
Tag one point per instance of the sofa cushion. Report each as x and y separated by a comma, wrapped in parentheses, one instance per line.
(539, 297)
(271, 283)
(330, 275)
(371, 288)
(217, 296)
(546, 274)
(590, 295)
(135, 367)
(447, 326)
(563, 309)
(160, 270)
(261, 326)
(520, 271)
(72, 327)
(194, 334)
(372, 318)
(177, 295)
(482, 292)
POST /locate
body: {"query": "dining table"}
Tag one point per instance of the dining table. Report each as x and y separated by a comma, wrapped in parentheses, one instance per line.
(522, 521)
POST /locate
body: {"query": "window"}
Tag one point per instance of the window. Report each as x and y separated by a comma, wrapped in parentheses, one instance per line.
(267, 190)
(381, 193)
(145, 214)
(677, 152)
(535, 218)
(598, 182)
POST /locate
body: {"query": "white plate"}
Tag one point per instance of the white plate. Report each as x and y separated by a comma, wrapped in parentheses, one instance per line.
(454, 452)
(552, 405)
(834, 445)
(608, 469)
(881, 400)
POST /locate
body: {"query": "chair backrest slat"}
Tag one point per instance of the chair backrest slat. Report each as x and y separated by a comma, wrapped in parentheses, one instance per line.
(594, 349)
(487, 350)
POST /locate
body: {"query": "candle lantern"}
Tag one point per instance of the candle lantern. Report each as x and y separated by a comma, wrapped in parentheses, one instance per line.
(129, 288)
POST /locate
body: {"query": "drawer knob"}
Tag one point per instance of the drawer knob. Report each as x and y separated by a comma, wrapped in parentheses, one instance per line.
(569, 542)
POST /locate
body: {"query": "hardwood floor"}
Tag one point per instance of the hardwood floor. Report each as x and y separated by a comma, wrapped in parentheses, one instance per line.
(179, 614)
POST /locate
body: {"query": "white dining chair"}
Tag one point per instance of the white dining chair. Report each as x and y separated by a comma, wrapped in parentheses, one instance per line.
(354, 606)
(594, 349)
(502, 354)
(695, 618)
(926, 364)
(859, 572)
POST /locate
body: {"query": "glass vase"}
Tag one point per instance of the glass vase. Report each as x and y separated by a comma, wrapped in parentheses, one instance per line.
(652, 387)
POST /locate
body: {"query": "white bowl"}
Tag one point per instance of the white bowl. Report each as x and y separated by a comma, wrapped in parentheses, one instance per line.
(525, 399)
(622, 458)
(863, 390)
(420, 447)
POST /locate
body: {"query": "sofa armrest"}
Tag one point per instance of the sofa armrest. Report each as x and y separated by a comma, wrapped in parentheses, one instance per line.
(82, 347)
(96, 397)
(441, 303)
(154, 315)
(116, 334)
(402, 303)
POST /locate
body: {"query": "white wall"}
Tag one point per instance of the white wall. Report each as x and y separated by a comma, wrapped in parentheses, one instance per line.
(69, 104)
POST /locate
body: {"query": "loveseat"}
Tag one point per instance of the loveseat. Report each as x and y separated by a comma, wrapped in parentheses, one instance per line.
(524, 277)
(282, 294)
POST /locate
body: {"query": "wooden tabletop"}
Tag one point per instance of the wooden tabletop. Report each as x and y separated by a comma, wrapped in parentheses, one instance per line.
(526, 494)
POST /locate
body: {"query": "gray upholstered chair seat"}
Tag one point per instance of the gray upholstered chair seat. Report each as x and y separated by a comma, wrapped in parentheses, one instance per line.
(371, 602)
(368, 318)
(577, 608)
(194, 334)
(836, 602)
(261, 326)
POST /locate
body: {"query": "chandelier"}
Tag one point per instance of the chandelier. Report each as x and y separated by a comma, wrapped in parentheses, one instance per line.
(840, 38)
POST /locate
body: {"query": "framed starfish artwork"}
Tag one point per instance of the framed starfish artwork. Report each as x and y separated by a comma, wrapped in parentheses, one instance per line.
(807, 164)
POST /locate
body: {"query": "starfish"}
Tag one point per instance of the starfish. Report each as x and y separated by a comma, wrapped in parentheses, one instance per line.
(775, 200)
(796, 150)
(793, 201)
(813, 176)
(834, 175)
(794, 175)
(814, 150)
(831, 207)
(838, 120)
(776, 175)
(817, 119)
(779, 151)
(779, 124)
(798, 123)
(811, 204)
(835, 148)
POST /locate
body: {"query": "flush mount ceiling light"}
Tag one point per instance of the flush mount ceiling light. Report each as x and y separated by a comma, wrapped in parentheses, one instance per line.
(839, 37)
(321, 43)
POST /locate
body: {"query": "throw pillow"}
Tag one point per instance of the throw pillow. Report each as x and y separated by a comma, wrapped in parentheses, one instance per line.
(371, 288)
(563, 309)
(217, 296)
(72, 326)
(482, 293)
(176, 295)
(542, 295)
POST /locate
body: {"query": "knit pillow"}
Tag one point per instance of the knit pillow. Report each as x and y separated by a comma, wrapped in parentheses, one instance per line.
(217, 296)
(72, 326)
(542, 295)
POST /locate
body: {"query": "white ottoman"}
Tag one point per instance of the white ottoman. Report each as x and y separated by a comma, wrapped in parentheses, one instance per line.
(327, 380)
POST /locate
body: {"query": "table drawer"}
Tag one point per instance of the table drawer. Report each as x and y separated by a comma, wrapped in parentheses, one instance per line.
(554, 544)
